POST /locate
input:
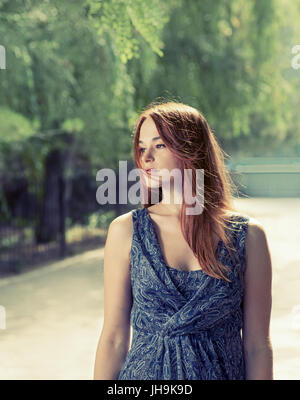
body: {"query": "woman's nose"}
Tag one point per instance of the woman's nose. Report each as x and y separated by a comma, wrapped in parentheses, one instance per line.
(148, 155)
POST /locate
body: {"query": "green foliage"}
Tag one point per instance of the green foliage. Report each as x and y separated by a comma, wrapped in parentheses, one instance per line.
(125, 19)
(223, 58)
(67, 63)
(73, 125)
(89, 66)
(14, 126)
(103, 220)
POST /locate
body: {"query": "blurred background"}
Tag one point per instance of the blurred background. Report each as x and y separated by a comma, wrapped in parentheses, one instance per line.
(74, 76)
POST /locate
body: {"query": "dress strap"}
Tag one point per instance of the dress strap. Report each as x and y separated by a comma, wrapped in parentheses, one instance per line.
(240, 228)
(137, 223)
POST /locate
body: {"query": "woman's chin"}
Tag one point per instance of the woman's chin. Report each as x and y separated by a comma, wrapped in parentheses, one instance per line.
(153, 180)
(153, 185)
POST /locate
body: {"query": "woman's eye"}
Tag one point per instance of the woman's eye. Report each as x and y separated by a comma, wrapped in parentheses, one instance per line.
(141, 149)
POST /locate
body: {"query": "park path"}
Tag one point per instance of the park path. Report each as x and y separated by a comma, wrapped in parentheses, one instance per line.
(54, 314)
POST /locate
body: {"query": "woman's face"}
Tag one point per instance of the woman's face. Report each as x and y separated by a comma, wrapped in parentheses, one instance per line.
(154, 153)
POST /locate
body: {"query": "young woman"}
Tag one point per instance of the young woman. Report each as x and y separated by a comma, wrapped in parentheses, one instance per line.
(196, 289)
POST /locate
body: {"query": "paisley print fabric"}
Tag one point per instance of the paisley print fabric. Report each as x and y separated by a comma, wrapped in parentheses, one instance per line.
(185, 324)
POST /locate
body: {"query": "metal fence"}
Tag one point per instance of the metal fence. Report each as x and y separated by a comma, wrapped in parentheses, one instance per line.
(267, 176)
(19, 249)
(76, 225)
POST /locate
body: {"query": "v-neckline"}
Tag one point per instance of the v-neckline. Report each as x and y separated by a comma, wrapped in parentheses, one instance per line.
(155, 236)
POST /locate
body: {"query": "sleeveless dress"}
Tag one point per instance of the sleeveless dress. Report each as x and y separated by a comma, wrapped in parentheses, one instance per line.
(186, 325)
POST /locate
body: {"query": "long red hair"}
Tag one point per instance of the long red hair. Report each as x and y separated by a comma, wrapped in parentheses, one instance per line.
(188, 136)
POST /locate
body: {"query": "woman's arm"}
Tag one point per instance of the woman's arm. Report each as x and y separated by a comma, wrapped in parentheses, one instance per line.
(257, 305)
(114, 340)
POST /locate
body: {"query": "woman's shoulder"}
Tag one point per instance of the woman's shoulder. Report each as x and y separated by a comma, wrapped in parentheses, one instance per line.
(123, 222)
(256, 232)
(246, 219)
(252, 230)
(241, 217)
(246, 226)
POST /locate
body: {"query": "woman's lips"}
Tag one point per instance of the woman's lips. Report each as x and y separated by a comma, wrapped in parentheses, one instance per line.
(151, 171)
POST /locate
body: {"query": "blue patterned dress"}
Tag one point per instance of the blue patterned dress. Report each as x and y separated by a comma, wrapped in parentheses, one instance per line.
(185, 324)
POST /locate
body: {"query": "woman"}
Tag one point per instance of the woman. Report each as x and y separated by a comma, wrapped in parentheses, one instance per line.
(187, 283)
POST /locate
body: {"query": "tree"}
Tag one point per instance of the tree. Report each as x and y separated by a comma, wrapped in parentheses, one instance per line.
(66, 67)
(227, 58)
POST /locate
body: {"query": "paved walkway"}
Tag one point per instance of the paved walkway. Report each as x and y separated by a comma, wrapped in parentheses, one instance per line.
(54, 314)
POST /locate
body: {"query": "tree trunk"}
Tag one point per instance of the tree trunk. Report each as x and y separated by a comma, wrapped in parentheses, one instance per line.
(49, 221)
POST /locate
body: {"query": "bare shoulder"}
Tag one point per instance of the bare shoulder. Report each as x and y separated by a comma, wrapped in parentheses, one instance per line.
(117, 283)
(122, 226)
(255, 232)
(257, 301)
(257, 246)
(120, 232)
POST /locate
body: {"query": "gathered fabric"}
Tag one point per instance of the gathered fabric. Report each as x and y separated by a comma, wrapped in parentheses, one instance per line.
(186, 325)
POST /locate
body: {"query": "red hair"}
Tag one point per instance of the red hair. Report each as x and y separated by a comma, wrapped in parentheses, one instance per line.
(187, 135)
